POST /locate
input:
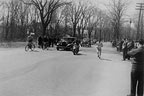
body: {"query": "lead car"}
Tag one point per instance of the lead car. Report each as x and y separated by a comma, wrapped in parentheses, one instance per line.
(66, 43)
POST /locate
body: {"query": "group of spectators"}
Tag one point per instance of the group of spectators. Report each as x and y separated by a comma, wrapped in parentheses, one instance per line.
(45, 42)
(124, 46)
(135, 51)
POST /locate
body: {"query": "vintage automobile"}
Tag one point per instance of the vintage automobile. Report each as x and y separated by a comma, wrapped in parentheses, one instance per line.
(66, 43)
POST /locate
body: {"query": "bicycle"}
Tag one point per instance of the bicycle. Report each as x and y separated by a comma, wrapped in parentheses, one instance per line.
(30, 46)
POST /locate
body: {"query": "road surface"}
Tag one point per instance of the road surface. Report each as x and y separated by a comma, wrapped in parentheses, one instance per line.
(60, 73)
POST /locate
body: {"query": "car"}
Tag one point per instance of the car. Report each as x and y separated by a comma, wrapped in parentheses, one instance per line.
(66, 43)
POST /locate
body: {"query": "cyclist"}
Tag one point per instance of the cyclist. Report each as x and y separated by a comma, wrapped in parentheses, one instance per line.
(30, 41)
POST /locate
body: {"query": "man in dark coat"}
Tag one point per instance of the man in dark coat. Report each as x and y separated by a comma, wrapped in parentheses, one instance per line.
(137, 70)
(125, 49)
(121, 43)
(40, 42)
(45, 42)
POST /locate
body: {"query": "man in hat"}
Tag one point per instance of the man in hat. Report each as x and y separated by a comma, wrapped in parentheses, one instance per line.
(137, 71)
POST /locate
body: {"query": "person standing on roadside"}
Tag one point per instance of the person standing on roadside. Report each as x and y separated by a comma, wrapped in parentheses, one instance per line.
(137, 72)
(40, 42)
(121, 43)
(99, 48)
(45, 42)
(125, 49)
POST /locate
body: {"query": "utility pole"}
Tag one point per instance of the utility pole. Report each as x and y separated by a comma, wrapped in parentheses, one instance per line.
(142, 27)
(140, 7)
(129, 35)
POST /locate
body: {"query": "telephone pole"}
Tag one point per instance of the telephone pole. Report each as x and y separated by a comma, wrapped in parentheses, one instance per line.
(142, 27)
(140, 7)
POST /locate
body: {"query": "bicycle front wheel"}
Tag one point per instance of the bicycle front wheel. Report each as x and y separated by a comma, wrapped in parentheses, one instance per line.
(26, 48)
(32, 47)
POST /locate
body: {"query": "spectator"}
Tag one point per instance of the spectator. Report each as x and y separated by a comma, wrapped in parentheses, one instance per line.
(137, 71)
(50, 42)
(40, 42)
(125, 49)
(45, 42)
(121, 43)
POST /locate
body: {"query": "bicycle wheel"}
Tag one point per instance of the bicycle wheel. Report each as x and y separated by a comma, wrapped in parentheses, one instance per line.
(26, 48)
(32, 47)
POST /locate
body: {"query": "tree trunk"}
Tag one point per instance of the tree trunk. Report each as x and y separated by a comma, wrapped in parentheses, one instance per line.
(95, 34)
(6, 33)
(100, 35)
(89, 35)
(44, 31)
(82, 33)
(74, 30)
(79, 35)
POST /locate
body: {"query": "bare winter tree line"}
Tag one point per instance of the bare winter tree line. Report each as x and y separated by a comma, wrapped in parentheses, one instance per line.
(57, 18)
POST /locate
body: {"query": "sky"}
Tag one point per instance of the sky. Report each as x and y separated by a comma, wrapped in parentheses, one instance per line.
(131, 10)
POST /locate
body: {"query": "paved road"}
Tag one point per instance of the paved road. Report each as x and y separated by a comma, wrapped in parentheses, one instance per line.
(60, 73)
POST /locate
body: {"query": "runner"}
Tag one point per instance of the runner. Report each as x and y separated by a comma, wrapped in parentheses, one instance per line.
(99, 48)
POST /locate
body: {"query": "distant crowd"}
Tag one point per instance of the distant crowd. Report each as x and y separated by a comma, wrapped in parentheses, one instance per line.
(135, 51)
(44, 42)
(124, 46)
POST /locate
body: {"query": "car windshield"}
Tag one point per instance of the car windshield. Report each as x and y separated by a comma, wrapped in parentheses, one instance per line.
(69, 40)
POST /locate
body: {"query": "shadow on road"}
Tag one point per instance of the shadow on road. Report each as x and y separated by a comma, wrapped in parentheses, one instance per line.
(34, 51)
(105, 59)
(80, 54)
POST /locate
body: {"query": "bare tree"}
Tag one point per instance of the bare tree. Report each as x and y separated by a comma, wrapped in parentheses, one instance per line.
(93, 21)
(61, 19)
(65, 17)
(11, 18)
(14, 21)
(105, 27)
(22, 18)
(6, 20)
(46, 10)
(75, 13)
(117, 10)
(83, 22)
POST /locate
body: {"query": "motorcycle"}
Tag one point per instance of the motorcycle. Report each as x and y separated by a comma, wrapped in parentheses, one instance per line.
(75, 49)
